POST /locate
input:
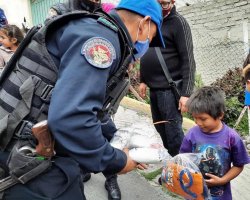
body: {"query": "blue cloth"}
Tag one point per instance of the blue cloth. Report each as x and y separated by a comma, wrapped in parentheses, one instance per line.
(3, 19)
(247, 98)
(163, 108)
(150, 8)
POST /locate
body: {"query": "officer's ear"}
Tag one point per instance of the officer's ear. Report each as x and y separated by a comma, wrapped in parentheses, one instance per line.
(144, 26)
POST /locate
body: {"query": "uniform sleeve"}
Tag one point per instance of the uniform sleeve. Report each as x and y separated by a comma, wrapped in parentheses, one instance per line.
(108, 128)
(184, 45)
(77, 96)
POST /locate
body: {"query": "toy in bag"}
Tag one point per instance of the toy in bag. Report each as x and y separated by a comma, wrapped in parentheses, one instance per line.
(181, 176)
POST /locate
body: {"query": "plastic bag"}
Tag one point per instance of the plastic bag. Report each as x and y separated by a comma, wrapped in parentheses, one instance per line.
(182, 176)
(143, 149)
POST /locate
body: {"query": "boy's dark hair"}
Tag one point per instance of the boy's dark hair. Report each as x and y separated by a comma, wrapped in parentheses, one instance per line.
(209, 100)
(12, 31)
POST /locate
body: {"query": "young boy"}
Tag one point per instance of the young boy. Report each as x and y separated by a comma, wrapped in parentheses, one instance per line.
(219, 145)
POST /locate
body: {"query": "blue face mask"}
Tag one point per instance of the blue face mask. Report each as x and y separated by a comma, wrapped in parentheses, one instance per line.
(141, 46)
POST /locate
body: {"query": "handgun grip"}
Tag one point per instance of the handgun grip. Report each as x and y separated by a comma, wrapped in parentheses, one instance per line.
(45, 146)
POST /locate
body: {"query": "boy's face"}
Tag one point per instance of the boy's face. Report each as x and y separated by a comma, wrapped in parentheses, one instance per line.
(207, 123)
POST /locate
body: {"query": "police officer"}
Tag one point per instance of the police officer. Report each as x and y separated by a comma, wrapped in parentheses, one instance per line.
(111, 184)
(86, 52)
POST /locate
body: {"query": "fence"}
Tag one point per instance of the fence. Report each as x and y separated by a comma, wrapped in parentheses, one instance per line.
(216, 52)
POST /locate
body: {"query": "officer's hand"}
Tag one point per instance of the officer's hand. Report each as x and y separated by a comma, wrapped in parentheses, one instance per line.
(142, 90)
(142, 166)
(182, 104)
(130, 165)
(214, 180)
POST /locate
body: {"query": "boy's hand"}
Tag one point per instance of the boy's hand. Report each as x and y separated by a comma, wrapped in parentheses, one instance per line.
(214, 180)
(142, 90)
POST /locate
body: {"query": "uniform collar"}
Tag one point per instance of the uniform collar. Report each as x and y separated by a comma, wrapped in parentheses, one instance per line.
(117, 18)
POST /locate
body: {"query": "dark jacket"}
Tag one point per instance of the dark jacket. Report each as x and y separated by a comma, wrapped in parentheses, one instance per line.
(178, 55)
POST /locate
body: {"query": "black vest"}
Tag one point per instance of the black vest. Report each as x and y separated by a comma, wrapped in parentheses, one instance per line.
(28, 79)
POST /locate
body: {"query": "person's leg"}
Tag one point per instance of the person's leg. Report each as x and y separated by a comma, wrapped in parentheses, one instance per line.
(164, 108)
(155, 105)
(111, 185)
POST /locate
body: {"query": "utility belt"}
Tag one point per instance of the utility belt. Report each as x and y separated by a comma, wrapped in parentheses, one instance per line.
(24, 163)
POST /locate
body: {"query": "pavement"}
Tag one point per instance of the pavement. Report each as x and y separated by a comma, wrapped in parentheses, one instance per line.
(134, 185)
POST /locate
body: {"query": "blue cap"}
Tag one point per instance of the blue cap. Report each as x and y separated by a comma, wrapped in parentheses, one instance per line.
(146, 8)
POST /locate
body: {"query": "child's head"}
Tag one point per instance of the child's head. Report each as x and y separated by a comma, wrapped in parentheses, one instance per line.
(207, 105)
(10, 36)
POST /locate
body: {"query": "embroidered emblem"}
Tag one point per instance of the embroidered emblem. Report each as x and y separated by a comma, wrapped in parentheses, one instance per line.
(99, 52)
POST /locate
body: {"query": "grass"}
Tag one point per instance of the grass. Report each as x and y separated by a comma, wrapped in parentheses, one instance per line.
(151, 175)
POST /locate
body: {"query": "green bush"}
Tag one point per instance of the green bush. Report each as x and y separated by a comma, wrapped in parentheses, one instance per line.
(232, 84)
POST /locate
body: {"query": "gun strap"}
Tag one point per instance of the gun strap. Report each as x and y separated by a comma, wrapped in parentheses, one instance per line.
(7, 183)
(13, 180)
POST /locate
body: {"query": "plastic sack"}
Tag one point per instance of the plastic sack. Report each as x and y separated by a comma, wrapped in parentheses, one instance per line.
(149, 155)
(142, 148)
(182, 176)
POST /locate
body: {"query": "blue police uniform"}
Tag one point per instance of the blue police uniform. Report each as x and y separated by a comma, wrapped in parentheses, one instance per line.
(85, 57)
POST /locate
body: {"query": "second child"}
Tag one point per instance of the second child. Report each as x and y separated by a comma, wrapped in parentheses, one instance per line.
(10, 38)
(223, 154)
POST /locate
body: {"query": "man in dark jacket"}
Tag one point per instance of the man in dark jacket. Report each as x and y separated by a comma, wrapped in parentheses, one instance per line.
(179, 58)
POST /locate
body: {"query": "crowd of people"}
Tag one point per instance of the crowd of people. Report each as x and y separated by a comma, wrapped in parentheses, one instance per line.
(81, 56)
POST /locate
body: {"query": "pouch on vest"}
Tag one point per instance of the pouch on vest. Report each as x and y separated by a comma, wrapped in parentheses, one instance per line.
(24, 165)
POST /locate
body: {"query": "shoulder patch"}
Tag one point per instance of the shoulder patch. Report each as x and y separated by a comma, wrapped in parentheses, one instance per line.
(99, 52)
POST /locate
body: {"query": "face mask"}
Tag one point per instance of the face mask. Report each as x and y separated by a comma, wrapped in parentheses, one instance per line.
(165, 12)
(141, 46)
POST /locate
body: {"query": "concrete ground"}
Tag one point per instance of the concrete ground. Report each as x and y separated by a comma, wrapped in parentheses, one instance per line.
(133, 185)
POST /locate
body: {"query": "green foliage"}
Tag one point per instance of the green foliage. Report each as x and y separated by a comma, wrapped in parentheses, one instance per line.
(232, 84)
(151, 175)
(198, 81)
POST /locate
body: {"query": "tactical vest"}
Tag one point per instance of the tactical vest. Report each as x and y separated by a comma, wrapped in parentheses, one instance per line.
(29, 78)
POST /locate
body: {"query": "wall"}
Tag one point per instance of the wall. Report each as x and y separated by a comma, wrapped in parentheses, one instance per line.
(16, 10)
(220, 30)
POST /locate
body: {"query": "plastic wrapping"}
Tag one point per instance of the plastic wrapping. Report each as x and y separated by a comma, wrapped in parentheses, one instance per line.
(182, 176)
(143, 149)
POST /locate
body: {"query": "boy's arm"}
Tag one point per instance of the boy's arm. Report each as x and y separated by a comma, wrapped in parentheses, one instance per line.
(186, 146)
(230, 175)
